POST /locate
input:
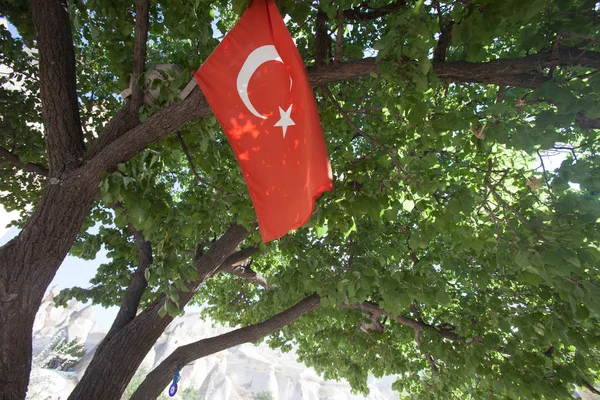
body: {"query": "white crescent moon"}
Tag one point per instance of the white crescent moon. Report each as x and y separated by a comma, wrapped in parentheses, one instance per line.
(258, 57)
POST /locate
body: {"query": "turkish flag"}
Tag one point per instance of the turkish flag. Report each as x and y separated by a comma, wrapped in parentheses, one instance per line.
(257, 86)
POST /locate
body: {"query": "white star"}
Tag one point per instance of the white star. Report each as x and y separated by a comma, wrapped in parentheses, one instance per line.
(285, 120)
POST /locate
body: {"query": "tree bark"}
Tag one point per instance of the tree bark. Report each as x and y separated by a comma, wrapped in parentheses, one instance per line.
(160, 377)
(28, 262)
(137, 284)
(322, 40)
(27, 266)
(60, 108)
(122, 351)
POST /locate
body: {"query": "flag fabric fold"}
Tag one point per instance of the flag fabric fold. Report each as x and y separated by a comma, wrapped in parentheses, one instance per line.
(256, 83)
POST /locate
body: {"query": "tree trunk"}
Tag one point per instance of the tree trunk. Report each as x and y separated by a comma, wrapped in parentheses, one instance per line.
(15, 348)
(28, 264)
(119, 355)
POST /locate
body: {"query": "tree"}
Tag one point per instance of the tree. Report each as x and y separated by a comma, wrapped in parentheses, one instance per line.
(265, 395)
(62, 354)
(449, 254)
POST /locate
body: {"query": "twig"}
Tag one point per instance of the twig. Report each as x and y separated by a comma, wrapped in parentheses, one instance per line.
(544, 173)
(492, 189)
(355, 14)
(580, 36)
(191, 164)
(498, 222)
(362, 133)
(573, 281)
(434, 368)
(500, 94)
(516, 213)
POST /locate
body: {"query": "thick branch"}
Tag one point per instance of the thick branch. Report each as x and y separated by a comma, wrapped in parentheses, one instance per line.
(137, 284)
(523, 72)
(443, 42)
(339, 37)
(210, 262)
(322, 40)
(587, 123)
(373, 13)
(236, 264)
(142, 15)
(30, 167)
(127, 118)
(247, 274)
(155, 128)
(239, 257)
(526, 72)
(60, 109)
(160, 377)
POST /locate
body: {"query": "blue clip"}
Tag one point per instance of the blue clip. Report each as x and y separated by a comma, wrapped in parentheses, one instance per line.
(176, 378)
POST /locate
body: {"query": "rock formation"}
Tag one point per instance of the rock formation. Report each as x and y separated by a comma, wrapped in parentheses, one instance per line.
(232, 374)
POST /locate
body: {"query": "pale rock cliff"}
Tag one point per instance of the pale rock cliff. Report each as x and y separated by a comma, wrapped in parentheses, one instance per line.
(232, 374)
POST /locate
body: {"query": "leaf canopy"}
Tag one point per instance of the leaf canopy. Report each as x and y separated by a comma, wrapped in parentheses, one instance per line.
(482, 284)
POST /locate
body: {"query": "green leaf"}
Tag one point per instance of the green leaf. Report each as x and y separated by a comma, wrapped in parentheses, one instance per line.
(522, 259)
(239, 6)
(530, 278)
(321, 230)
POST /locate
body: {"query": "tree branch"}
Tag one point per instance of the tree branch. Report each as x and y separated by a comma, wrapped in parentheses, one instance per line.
(239, 257)
(127, 118)
(360, 132)
(355, 14)
(339, 36)
(30, 167)
(523, 72)
(526, 72)
(515, 212)
(590, 387)
(236, 265)
(160, 377)
(322, 40)
(444, 41)
(587, 123)
(58, 88)
(210, 262)
(406, 321)
(142, 16)
(147, 326)
(137, 284)
(191, 164)
(155, 128)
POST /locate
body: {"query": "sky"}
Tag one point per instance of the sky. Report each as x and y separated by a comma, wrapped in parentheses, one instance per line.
(72, 272)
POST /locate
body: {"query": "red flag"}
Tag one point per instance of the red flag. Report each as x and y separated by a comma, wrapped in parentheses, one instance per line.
(256, 84)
